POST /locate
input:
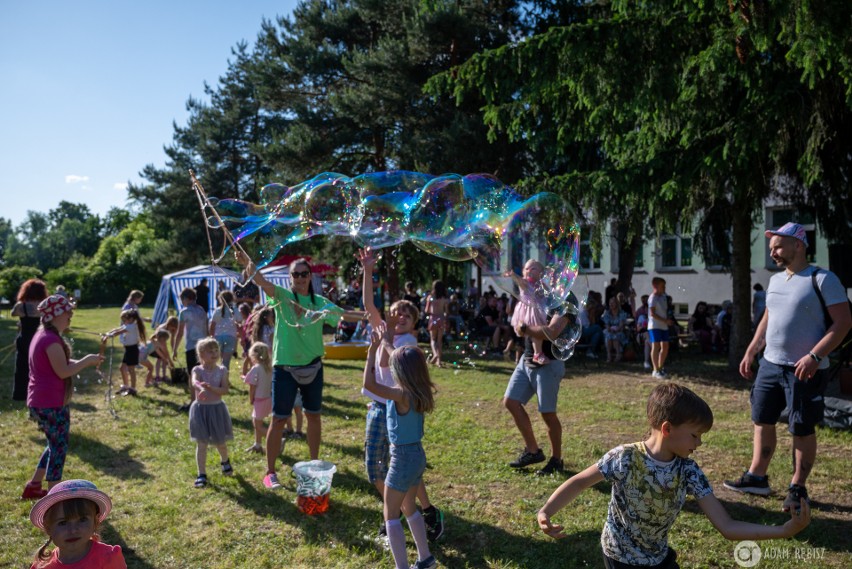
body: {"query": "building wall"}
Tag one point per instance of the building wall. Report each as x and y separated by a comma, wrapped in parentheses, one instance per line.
(687, 286)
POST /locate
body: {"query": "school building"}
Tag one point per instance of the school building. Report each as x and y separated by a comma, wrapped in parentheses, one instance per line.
(689, 277)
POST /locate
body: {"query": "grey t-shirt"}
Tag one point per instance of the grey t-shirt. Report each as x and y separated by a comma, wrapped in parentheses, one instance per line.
(796, 322)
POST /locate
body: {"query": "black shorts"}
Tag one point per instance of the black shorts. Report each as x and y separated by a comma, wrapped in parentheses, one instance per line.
(131, 355)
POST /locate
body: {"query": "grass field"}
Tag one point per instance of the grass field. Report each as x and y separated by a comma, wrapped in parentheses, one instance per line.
(144, 459)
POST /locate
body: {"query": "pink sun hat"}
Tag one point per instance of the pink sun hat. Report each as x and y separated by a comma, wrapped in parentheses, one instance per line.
(789, 230)
(53, 306)
(68, 490)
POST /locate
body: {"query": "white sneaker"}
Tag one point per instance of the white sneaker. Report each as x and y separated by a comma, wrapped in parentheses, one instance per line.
(656, 375)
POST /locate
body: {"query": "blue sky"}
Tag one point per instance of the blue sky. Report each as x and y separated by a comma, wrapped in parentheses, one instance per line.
(89, 90)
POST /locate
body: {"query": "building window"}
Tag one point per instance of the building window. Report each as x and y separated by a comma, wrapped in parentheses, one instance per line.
(639, 262)
(587, 258)
(675, 251)
(776, 217)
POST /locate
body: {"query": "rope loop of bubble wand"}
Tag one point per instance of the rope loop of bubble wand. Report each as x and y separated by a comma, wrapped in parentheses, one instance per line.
(204, 204)
(108, 396)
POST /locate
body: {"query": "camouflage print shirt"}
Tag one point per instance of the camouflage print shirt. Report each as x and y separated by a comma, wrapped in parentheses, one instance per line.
(647, 496)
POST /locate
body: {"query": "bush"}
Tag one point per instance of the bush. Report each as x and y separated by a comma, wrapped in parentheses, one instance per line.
(11, 279)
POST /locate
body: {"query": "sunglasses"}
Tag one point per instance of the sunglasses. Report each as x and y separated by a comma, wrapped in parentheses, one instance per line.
(301, 274)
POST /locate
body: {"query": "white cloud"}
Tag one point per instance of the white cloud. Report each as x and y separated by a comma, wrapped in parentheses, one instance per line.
(74, 179)
(119, 186)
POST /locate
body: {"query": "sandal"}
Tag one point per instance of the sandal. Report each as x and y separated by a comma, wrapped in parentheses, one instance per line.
(201, 481)
(227, 469)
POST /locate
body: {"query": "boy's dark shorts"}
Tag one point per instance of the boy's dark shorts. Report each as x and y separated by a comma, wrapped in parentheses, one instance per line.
(777, 387)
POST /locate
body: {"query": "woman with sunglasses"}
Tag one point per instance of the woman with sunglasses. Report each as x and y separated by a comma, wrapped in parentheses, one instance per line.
(297, 351)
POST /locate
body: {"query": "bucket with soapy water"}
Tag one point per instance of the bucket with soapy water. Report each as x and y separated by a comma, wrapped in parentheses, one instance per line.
(313, 485)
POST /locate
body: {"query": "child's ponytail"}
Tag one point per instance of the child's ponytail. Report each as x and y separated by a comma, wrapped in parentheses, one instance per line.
(42, 555)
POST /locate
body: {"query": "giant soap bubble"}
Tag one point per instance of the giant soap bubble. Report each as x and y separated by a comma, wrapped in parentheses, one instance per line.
(450, 216)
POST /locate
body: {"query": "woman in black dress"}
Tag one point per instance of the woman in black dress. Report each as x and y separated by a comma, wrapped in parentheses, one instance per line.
(30, 294)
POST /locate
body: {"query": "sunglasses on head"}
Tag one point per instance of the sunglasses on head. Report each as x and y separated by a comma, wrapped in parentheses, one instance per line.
(301, 274)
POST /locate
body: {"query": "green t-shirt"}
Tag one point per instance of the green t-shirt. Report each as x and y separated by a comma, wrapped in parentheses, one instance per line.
(294, 344)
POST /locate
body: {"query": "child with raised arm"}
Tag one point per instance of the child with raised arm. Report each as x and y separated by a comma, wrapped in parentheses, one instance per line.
(403, 317)
(209, 419)
(437, 304)
(408, 400)
(529, 310)
(132, 331)
(650, 482)
(70, 515)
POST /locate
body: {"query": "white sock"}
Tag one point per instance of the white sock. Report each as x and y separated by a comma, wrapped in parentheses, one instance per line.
(418, 532)
(396, 537)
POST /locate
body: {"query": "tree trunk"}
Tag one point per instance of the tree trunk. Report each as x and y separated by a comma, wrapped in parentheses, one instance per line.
(627, 249)
(741, 333)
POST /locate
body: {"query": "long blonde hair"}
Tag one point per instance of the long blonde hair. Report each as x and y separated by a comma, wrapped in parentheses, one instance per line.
(259, 352)
(410, 372)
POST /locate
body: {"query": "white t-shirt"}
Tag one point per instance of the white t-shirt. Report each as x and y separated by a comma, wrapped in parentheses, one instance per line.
(383, 374)
(129, 334)
(796, 322)
(261, 379)
(226, 325)
(658, 304)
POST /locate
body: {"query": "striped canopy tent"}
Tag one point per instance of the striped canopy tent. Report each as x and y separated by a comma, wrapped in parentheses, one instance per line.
(172, 284)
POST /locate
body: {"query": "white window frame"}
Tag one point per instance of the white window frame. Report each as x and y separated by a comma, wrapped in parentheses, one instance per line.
(679, 239)
(594, 265)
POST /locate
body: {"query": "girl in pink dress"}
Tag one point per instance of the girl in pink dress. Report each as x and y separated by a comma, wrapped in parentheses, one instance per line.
(529, 310)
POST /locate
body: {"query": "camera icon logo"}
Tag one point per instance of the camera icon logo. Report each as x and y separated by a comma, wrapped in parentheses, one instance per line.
(747, 554)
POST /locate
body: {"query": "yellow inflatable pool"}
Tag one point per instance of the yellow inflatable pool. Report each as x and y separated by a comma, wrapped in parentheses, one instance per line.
(346, 350)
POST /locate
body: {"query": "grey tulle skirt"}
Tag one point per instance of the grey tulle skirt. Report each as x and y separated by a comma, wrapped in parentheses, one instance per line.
(210, 424)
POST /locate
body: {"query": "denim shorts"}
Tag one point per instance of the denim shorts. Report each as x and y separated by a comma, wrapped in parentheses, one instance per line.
(658, 336)
(542, 382)
(284, 391)
(777, 387)
(407, 465)
(376, 444)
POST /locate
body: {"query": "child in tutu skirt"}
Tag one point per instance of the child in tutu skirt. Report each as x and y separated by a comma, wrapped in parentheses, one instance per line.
(209, 420)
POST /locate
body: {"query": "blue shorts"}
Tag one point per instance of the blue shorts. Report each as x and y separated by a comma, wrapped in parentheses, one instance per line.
(658, 336)
(284, 391)
(543, 382)
(777, 387)
(407, 465)
(376, 444)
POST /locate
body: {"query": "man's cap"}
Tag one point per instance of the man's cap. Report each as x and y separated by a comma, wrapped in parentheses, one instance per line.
(789, 230)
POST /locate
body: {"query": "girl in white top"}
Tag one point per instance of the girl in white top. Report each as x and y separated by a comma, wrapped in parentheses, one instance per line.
(224, 325)
(259, 380)
(132, 331)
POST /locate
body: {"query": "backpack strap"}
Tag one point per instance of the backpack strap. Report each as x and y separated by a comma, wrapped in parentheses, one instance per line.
(825, 316)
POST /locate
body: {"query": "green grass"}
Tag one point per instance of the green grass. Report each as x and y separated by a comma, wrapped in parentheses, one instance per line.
(144, 459)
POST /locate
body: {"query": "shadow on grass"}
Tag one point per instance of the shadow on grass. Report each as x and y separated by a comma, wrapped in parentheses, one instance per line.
(473, 544)
(281, 505)
(112, 537)
(821, 532)
(116, 462)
